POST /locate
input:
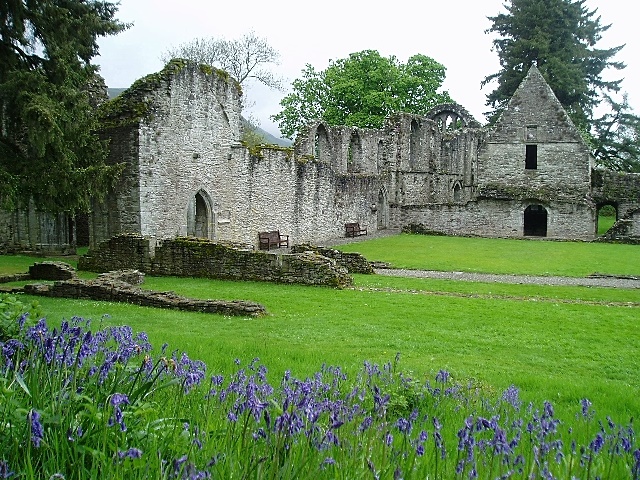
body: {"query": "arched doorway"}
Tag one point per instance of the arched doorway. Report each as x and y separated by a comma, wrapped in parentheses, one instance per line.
(535, 221)
(200, 221)
(202, 217)
(383, 209)
(607, 215)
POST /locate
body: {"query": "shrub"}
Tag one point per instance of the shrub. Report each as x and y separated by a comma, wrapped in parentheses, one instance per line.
(14, 314)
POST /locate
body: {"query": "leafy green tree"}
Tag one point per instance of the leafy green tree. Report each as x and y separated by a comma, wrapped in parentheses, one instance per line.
(362, 90)
(49, 150)
(560, 37)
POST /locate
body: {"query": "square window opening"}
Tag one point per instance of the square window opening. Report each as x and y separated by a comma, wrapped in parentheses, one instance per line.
(531, 157)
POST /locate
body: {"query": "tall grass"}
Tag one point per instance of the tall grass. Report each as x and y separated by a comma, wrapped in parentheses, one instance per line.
(78, 403)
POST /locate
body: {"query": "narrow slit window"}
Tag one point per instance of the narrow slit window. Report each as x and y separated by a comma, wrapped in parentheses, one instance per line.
(531, 157)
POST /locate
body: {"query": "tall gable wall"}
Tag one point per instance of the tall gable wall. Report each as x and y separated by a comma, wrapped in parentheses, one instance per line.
(535, 117)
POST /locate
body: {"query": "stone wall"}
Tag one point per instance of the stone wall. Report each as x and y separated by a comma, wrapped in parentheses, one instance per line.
(188, 173)
(51, 271)
(617, 188)
(28, 229)
(500, 218)
(110, 290)
(353, 262)
(189, 257)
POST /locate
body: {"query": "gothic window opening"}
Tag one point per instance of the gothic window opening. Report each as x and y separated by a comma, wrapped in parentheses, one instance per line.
(531, 157)
(354, 153)
(321, 144)
(535, 221)
(457, 192)
(202, 217)
(414, 144)
(380, 156)
(383, 210)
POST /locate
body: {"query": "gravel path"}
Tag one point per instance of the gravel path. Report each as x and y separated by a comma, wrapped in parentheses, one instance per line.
(596, 281)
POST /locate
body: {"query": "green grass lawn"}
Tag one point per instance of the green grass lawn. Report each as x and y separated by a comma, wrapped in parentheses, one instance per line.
(605, 222)
(555, 343)
(550, 349)
(508, 256)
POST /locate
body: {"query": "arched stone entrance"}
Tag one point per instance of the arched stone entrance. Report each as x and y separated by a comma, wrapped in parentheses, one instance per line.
(200, 216)
(535, 221)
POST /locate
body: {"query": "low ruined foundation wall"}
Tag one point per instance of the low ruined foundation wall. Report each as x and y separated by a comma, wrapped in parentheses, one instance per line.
(191, 257)
(117, 291)
(353, 262)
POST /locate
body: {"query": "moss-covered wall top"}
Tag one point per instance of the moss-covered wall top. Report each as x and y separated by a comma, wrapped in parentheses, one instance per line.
(136, 103)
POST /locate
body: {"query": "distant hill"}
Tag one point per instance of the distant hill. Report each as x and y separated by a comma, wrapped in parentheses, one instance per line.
(269, 138)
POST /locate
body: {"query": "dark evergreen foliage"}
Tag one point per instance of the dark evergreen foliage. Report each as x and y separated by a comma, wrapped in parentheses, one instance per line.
(49, 150)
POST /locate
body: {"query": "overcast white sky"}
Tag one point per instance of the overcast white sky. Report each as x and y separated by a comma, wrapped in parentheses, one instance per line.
(451, 32)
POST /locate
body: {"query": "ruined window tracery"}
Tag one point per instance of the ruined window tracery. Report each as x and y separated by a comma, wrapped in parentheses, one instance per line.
(321, 149)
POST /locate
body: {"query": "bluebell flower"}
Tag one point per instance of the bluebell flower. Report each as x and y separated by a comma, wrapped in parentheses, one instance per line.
(443, 376)
(597, 443)
(403, 425)
(131, 453)
(37, 431)
(512, 396)
(5, 471)
(118, 399)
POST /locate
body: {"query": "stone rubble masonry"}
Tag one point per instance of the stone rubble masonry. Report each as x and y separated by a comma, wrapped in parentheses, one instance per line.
(51, 271)
(120, 286)
(191, 257)
(187, 172)
(353, 262)
(112, 290)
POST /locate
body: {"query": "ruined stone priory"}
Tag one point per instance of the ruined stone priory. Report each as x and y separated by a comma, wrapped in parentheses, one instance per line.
(188, 173)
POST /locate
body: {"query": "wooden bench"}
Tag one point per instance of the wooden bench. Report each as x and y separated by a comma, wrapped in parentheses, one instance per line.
(266, 240)
(354, 230)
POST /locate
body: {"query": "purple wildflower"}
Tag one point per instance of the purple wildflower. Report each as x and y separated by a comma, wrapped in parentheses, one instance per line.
(5, 471)
(37, 431)
(597, 443)
(329, 461)
(635, 470)
(403, 425)
(131, 453)
(512, 396)
(366, 423)
(443, 376)
(118, 399)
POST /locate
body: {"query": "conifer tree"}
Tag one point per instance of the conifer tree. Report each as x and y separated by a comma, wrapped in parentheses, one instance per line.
(50, 152)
